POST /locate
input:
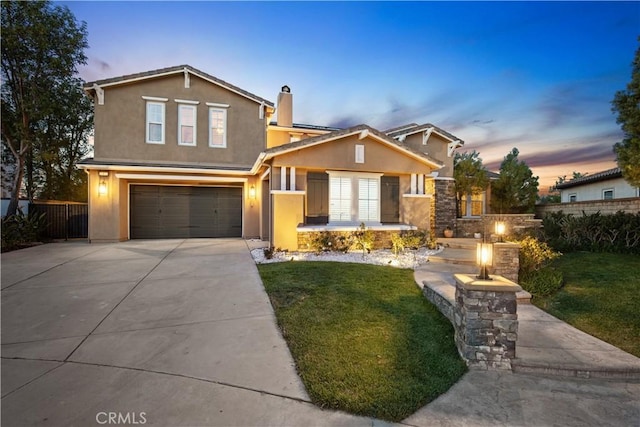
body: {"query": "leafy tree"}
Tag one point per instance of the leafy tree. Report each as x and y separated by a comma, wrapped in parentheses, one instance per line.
(42, 45)
(627, 104)
(516, 190)
(62, 142)
(554, 193)
(469, 174)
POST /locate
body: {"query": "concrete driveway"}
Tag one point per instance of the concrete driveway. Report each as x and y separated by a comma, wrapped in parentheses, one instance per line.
(164, 332)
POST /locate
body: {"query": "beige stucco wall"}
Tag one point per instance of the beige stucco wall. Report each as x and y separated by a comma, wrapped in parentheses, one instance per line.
(277, 136)
(340, 155)
(120, 124)
(436, 148)
(287, 214)
(106, 211)
(252, 209)
(415, 211)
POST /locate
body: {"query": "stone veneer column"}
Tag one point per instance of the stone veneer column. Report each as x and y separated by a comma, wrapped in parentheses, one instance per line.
(486, 321)
(506, 260)
(445, 205)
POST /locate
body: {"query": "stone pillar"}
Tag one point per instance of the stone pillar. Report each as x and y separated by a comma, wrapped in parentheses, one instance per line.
(486, 321)
(506, 261)
(445, 205)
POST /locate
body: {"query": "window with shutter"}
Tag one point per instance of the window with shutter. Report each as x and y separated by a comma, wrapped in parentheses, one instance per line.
(368, 199)
(339, 199)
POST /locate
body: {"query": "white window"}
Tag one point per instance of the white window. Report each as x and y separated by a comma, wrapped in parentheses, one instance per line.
(359, 153)
(354, 197)
(339, 199)
(369, 199)
(573, 197)
(217, 127)
(607, 194)
(155, 123)
(187, 124)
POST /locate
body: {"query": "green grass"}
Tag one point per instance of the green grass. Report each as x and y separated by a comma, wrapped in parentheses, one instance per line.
(601, 296)
(363, 337)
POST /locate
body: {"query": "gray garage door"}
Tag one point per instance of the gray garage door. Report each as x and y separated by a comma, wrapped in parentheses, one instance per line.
(166, 212)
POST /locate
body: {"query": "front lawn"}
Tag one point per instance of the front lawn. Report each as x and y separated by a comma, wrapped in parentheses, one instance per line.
(601, 296)
(363, 337)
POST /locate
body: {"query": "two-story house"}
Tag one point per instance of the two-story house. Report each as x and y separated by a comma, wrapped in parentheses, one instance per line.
(180, 153)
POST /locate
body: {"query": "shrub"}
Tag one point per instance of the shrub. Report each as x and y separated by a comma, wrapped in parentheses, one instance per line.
(325, 241)
(363, 239)
(397, 243)
(617, 233)
(413, 239)
(534, 255)
(542, 282)
(268, 252)
(20, 229)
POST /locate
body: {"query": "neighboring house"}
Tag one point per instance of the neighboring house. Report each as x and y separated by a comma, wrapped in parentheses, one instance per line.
(180, 153)
(605, 185)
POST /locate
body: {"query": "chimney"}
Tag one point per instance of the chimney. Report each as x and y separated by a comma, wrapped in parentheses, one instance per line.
(285, 107)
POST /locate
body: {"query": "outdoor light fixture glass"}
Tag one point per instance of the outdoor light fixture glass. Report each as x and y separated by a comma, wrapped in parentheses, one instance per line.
(484, 258)
(252, 192)
(102, 188)
(500, 229)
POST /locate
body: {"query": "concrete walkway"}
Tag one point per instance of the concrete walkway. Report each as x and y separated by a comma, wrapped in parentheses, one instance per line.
(546, 345)
(178, 332)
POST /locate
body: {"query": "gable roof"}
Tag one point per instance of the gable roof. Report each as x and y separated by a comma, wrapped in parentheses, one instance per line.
(303, 126)
(130, 78)
(598, 176)
(411, 129)
(366, 131)
(401, 128)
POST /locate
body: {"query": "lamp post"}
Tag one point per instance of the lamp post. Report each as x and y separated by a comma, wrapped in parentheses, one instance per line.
(484, 258)
(500, 228)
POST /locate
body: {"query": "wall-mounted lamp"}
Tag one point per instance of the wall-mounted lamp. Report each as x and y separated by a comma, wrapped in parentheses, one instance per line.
(102, 186)
(252, 192)
(500, 228)
(484, 258)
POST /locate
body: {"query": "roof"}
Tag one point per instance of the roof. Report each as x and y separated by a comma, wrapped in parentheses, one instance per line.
(91, 163)
(403, 127)
(598, 176)
(303, 126)
(175, 70)
(321, 139)
(410, 130)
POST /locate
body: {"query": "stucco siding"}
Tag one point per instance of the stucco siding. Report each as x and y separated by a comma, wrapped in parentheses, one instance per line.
(436, 148)
(594, 191)
(340, 155)
(120, 124)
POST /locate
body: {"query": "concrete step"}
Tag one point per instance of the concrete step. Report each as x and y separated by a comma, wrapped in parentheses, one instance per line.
(455, 256)
(459, 243)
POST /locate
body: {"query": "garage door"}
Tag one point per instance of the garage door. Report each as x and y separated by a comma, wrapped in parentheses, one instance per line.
(166, 212)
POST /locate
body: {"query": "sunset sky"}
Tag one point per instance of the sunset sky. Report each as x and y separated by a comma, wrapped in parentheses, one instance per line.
(539, 76)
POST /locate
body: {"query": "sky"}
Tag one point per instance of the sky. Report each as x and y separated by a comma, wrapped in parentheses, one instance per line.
(538, 76)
